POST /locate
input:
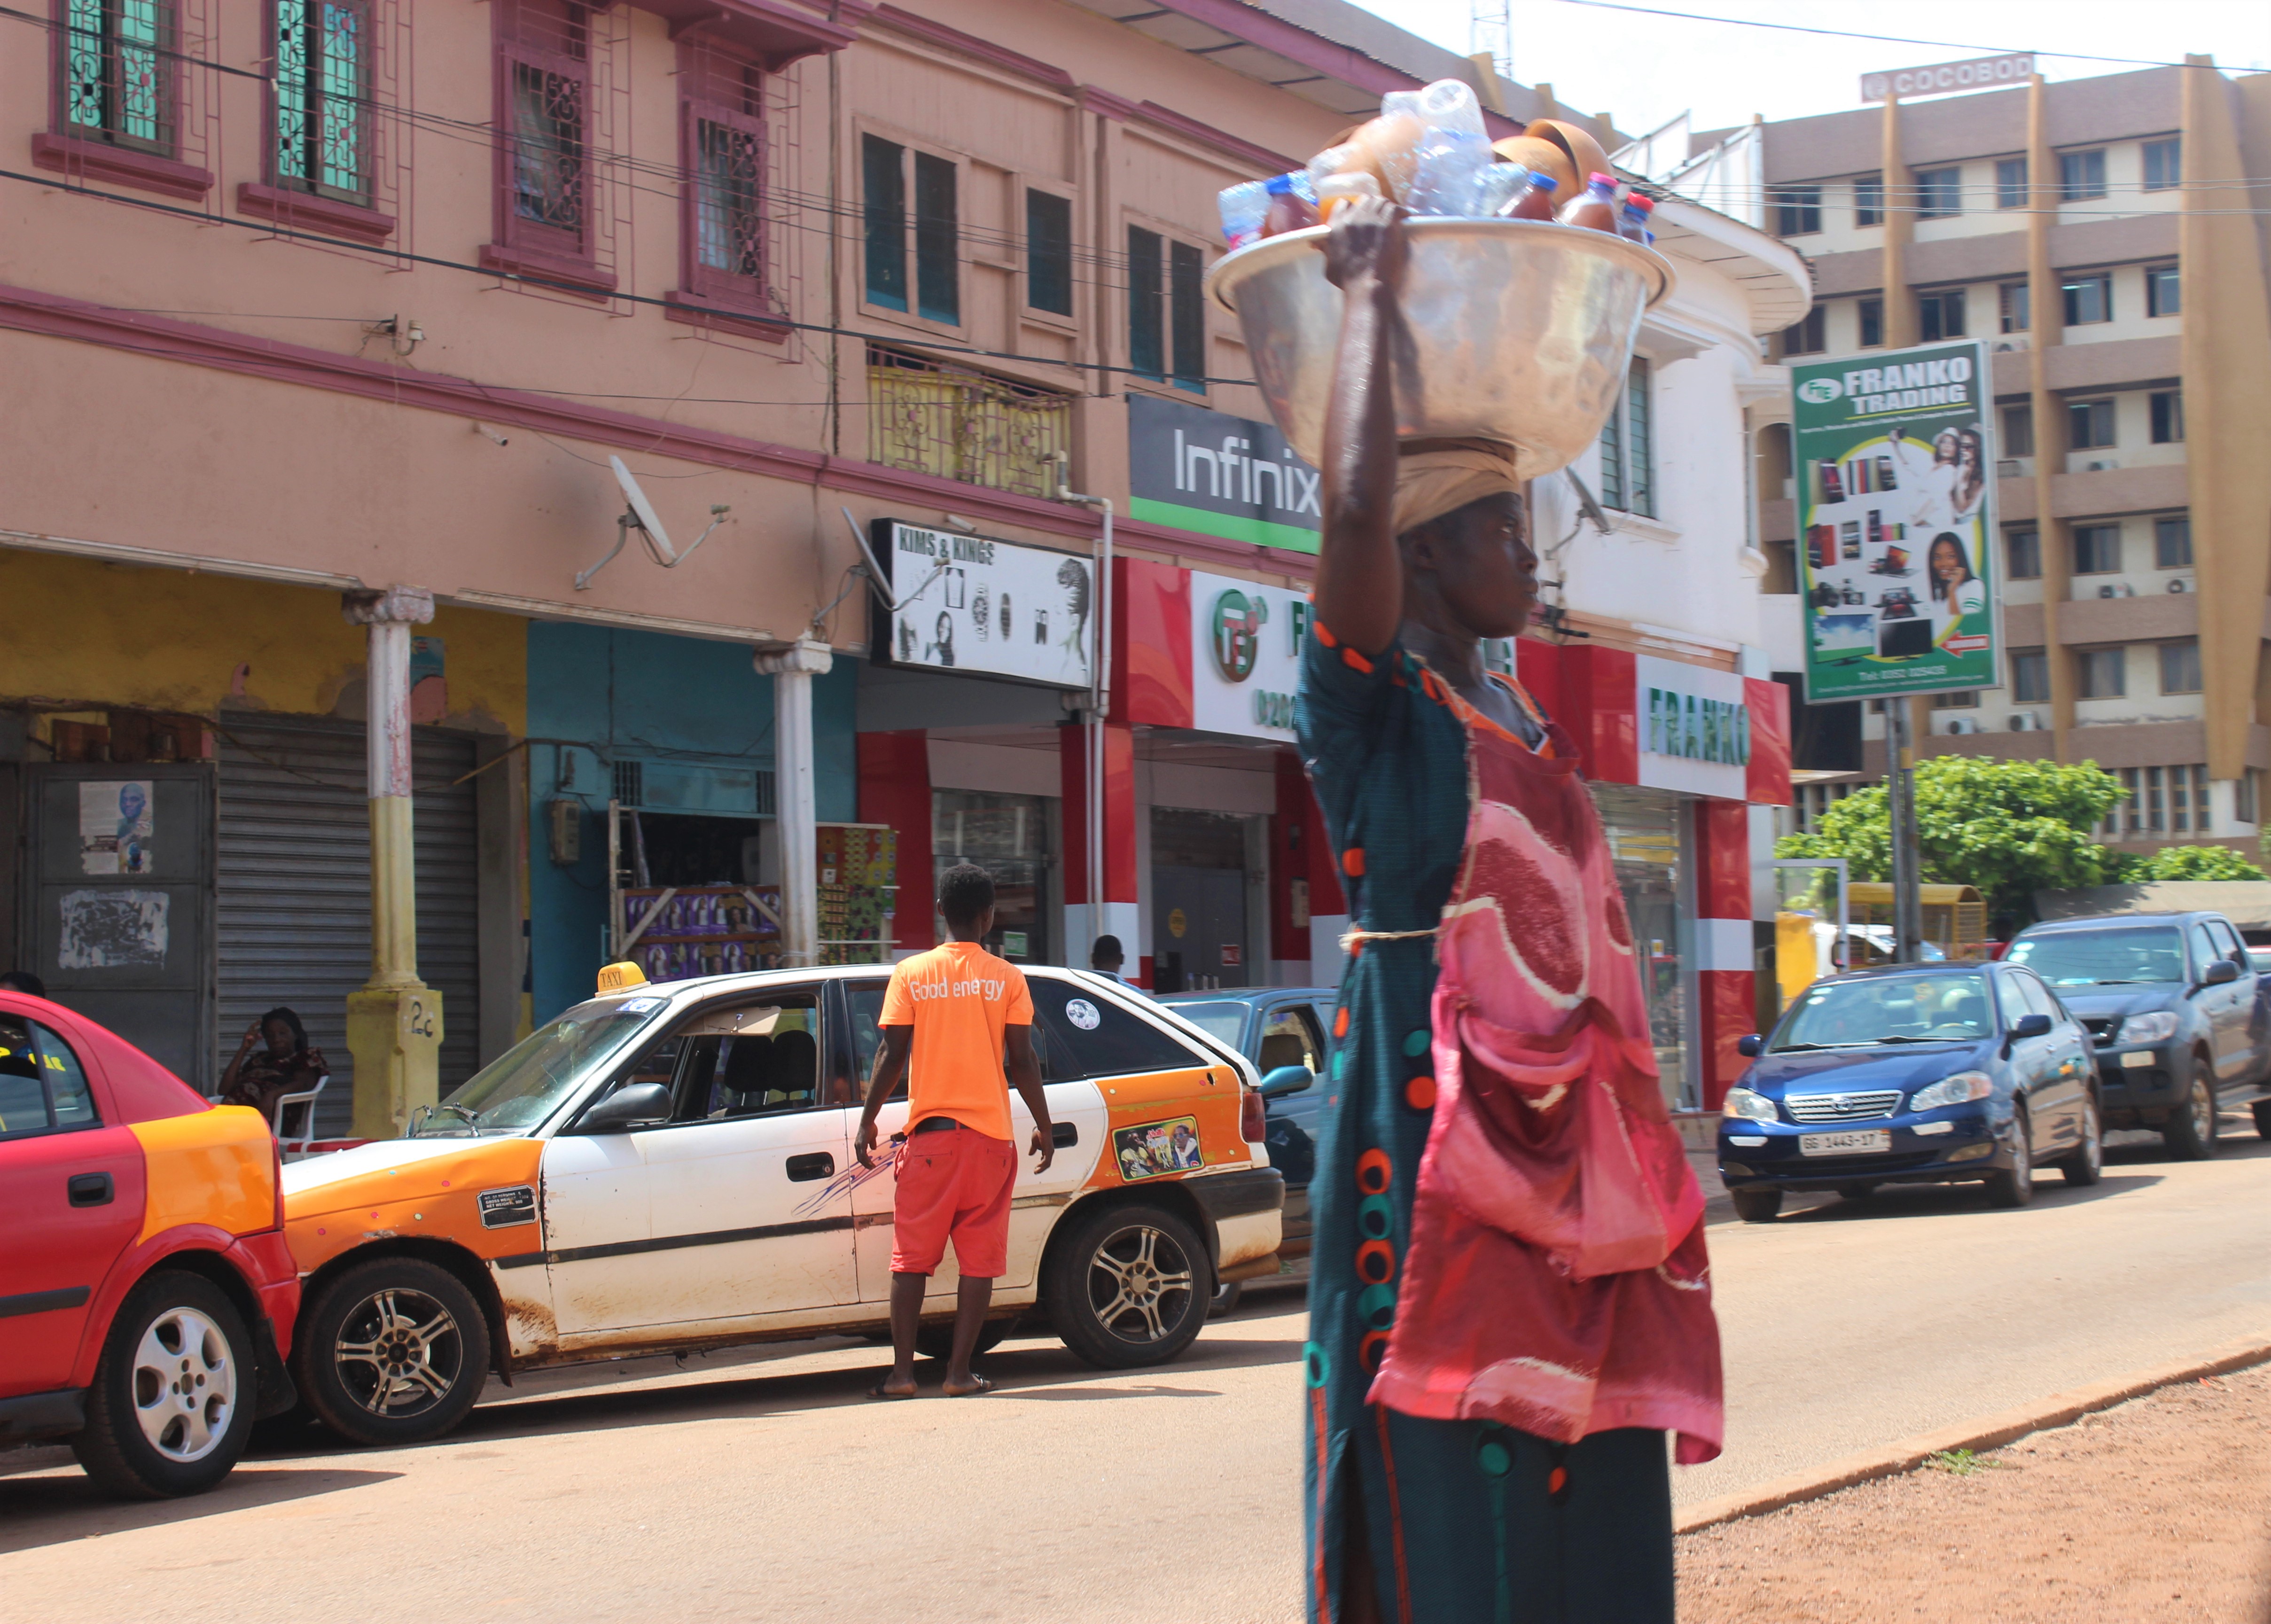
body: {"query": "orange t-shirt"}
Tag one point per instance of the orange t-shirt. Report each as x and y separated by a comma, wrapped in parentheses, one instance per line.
(958, 997)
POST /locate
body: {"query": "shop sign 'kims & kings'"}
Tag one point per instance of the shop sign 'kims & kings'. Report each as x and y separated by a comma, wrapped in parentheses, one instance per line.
(1896, 496)
(1218, 475)
(986, 608)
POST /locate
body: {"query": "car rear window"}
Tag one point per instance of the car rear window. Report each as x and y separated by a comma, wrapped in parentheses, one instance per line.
(1090, 1036)
(42, 1086)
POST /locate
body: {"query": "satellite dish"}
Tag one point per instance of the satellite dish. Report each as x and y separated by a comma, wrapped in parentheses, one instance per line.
(643, 514)
(640, 516)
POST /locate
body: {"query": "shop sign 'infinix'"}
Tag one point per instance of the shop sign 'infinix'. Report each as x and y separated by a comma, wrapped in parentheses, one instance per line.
(1895, 479)
(1219, 475)
(987, 607)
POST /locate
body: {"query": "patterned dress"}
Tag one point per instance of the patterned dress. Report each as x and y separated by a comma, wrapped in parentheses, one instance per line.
(1518, 1502)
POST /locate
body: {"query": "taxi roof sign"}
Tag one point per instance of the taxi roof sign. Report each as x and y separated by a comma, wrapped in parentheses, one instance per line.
(621, 977)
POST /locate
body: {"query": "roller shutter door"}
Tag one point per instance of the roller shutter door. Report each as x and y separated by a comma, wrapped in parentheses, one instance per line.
(293, 882)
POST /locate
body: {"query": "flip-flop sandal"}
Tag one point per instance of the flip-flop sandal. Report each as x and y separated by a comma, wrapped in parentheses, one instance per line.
(880, 1391)
(978, 1388)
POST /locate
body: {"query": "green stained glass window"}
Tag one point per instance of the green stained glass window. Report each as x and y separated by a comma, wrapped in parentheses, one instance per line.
(118, 70)
(322, 52)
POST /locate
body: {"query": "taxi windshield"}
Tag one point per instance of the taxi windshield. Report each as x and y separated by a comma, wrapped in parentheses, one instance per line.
(2103, 957)
(525, 1085)
(1841, 1015)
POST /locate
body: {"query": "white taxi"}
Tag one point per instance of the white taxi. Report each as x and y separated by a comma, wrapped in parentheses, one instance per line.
(667, 1168)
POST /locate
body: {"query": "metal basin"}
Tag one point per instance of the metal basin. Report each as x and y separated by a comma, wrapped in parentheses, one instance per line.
(1520, 332)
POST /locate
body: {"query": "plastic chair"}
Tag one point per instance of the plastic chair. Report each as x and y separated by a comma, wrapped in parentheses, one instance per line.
(298, 1147)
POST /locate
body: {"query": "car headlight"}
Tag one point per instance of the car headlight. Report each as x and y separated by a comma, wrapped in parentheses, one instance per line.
(1955, 1091)
(2157, 1027)
(1747, 1105)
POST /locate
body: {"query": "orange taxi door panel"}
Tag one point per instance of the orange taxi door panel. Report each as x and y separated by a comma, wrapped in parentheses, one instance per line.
(74, 1204)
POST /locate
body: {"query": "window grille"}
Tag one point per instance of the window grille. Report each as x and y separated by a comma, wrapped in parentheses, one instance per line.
(322, 77)
(964, 425)
(630, 783)
(118, 78)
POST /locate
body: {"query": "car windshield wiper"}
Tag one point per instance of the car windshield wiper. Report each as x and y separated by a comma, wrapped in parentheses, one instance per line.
(1792, 1048)
(471, 1119)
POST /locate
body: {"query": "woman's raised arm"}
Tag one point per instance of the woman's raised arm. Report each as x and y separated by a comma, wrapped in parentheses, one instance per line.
(1359, 574)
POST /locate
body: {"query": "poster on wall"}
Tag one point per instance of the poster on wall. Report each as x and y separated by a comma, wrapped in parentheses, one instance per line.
(985, 606)
(1895, 484)
(114, 826)
(1192, 469)
(1245, 648)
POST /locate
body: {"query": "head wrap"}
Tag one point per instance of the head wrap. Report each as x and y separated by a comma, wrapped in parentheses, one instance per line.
(1443, 477)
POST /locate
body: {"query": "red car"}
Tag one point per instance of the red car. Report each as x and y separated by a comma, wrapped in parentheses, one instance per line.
(146, 1293)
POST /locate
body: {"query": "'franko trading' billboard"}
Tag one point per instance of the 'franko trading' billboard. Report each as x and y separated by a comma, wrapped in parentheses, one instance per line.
(1192, 469)
(1897, 529)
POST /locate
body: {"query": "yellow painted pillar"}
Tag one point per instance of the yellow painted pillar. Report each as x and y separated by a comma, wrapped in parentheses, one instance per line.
(2046, 323)
(394, 1023)
(1900, 209)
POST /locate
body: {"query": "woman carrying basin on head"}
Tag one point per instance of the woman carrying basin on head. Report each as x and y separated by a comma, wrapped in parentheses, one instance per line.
(1510, 1305)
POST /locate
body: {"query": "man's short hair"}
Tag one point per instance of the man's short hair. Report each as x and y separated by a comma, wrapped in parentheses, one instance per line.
(964, 893)
(1106, 948)
(23, 981)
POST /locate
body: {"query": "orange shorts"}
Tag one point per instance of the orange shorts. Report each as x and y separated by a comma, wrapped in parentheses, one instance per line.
(953, 1184)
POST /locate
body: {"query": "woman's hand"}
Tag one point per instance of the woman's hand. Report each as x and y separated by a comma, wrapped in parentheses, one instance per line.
(252, 1035)
(1366, 239)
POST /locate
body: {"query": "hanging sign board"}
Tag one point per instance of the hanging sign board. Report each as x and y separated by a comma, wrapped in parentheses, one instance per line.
(1898, 565)
(1192, 469)
(986, 608)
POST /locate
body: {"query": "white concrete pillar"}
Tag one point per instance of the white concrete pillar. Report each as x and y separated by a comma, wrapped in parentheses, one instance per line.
(794, 809)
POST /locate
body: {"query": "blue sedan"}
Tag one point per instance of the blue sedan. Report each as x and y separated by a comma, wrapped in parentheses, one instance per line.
(1915, 1074)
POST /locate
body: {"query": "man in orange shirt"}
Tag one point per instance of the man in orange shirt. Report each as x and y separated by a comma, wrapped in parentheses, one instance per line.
(953, 1013)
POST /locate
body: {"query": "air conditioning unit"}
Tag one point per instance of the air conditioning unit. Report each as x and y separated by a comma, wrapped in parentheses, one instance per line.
(2026, 721)
(1963, 724)
(2178, 584)
(2015, 345)
(2117, 589)
(2102, 465)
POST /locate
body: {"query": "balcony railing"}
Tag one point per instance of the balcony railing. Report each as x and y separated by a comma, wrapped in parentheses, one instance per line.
(964, 425)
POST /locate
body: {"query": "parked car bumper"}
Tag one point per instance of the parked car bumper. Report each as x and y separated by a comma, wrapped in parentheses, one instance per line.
(1954, 1145)
(2142, 1078)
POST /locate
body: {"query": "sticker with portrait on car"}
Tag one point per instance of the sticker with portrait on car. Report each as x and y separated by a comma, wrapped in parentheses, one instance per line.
(1151, 1149)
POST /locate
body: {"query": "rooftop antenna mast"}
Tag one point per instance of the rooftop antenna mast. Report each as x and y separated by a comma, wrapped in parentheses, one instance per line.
(1490, 34)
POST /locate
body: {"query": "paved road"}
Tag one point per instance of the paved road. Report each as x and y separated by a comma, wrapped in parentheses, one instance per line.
(761, 1487)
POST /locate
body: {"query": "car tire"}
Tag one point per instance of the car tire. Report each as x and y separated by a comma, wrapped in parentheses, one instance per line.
(1128, 1285)
(1757, 1206)
(2086, 1165)
(392, 1352)
(937, 1341)
(2014, 1186)
(2191, 1133)
(2263, 1118)
(171, 1409)
(1227, 1296)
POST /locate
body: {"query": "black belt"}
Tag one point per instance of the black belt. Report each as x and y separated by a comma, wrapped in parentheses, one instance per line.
(934, 1125)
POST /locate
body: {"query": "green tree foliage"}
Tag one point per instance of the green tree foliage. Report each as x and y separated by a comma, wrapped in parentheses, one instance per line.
(2190, 862)
(2011, 828)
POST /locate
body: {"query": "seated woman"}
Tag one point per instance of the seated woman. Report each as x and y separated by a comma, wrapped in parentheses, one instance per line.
(275, 1059)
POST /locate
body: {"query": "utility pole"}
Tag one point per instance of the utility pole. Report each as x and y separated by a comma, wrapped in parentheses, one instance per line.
(1900, 799)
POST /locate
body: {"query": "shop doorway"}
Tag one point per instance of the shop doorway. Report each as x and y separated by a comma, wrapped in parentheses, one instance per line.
(1007, 835)
(1202, 929)
(1646, 845)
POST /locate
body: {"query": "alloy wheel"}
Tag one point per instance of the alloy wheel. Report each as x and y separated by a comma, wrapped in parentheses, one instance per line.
(1134, 1280)
(399, 1352)
(184, 1385)
(2201, 1107)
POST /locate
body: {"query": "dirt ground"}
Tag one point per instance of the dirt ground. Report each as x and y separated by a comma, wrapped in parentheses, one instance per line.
(2156, 1511)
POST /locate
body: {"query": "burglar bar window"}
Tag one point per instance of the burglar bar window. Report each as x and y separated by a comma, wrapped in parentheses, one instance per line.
(2168, 406)
(1940, 193)
(118, 84)
(1627, 448)
(2010, 182)
(1940, 315)
(1048, 252)
(2023, 550)
(1797, 210)
(1869, 200)
(2172, 542)
(2164, 163)
(2181, 666)
(723, 98)
(322, 68)
(2165, 291)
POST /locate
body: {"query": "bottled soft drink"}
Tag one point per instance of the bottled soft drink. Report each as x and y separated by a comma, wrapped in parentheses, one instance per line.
(1537, 199)
(1449, 166)
(1243, 207)
(1335, 189)
(1289, 209)
(1633, 223)
(1597, 209)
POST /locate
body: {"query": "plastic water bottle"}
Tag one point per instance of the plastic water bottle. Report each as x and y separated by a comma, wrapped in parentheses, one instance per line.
(1292, 204)
(1451, 166)
(1597, 209)
(1243, 207)
(1537, 199)
(1632, 224)
(1497, 186)
(1447, 104)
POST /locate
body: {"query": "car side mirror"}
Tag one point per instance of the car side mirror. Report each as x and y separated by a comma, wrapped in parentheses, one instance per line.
(1749, 1046)
(643, 1104)
(1286, 1080)
(2032, 1026)
(2221, 974)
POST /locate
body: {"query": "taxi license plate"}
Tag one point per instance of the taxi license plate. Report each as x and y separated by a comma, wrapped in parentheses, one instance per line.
(1857, 1142)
